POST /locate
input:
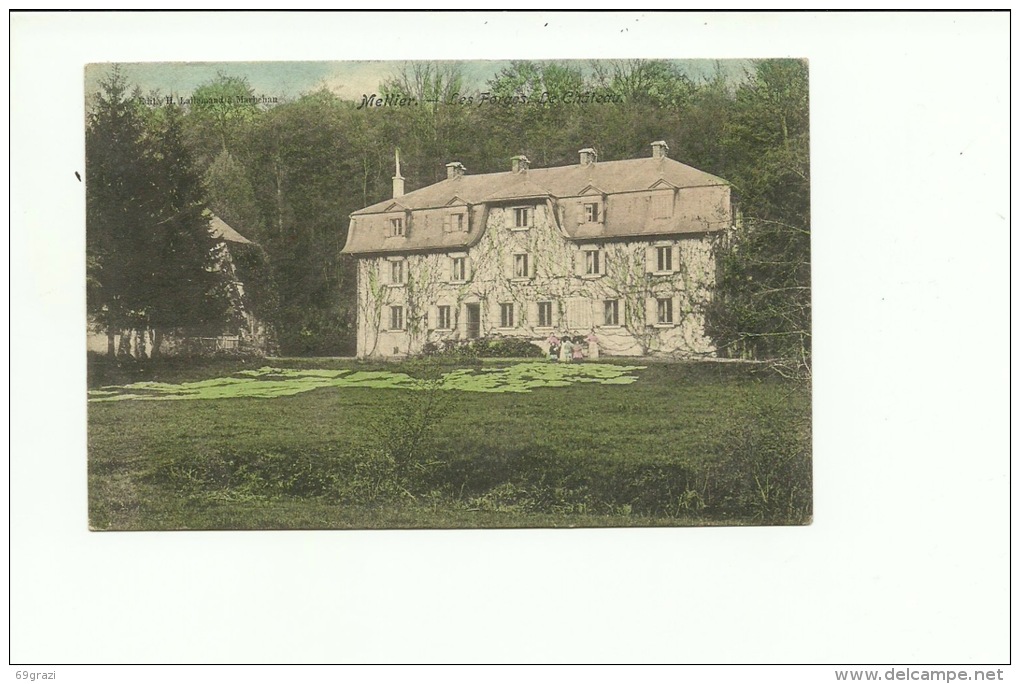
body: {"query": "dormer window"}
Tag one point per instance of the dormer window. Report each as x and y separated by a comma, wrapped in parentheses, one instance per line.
(524, 217)
(591, 212)
(397, 227)
(662, 206)
(456, 223)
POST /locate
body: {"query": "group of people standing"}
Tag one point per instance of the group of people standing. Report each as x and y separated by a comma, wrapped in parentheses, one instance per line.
(568, 349)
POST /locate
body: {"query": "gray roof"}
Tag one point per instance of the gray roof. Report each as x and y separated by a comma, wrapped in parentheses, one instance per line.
(222, 231)
(368, 231)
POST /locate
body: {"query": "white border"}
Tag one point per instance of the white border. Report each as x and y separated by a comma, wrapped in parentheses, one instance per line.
(908, 558)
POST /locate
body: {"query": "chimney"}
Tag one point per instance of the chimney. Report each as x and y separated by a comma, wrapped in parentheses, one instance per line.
(455, 170)
(519, 163)
(588, 156)
(398, 180)
(660, 150)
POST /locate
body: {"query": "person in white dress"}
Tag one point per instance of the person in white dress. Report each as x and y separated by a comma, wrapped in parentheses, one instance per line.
(593, 345)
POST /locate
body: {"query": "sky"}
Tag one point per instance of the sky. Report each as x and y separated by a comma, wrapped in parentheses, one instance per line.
(349, 80)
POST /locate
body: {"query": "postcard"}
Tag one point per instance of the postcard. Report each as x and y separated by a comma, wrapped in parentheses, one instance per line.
(440, 294)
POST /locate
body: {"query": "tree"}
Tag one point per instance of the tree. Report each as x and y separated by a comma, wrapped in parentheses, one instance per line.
(152, 259)
(302, 157)
(183, 287)
(232, 197)
(534, 117)
(218, 116)
(763, 303)
(117, 196)
(434, 129)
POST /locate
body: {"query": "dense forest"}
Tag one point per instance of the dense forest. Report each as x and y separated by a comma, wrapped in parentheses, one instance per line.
(288, 175)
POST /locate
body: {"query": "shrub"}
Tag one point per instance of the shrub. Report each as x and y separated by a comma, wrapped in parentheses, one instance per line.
(406, 432)
(491, 346)
(764, 466)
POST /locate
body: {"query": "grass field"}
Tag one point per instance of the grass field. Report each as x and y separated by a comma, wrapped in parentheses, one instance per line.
(318, 443)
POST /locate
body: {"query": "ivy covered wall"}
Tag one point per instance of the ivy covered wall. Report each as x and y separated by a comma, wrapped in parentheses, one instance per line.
(513, 268)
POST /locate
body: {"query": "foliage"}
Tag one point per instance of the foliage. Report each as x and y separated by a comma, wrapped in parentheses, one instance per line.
(116, 192)
(763, 304)
(150, 255)
(220, 110)
(298, 157)
(289, 176)
(232, 197)
(408, 432)
(489, 346)
(765, 463)
(180, 284)
(424, 374)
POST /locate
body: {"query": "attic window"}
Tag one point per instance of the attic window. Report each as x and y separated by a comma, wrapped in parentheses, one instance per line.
(397, 227)
(591, 212)
(455, 223)
(662, 206)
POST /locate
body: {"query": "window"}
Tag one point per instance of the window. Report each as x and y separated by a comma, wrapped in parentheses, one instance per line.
(506, 315)
(579, 313)
(455, 223)
(523, 217)
(612, 309)
(459, 269)
(593, 262)
(662, 206)
(444, 322)
(396, 318)
(396, 227)
(665, 309)
(591, 212)
(521, 266)
(545, 319)
(664, 258)
(397, 272)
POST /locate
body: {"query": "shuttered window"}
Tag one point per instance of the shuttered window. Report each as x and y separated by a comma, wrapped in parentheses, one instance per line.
(506, 315)
(545, 315)
(396, 318)
(443, 322)
(612, 312)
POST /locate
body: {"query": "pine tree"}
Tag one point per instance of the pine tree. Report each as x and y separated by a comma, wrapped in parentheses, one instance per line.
(184, 286)
(116, 211)
(152, 261)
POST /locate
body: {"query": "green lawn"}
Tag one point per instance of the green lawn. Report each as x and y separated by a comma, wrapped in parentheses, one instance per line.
(318, 443)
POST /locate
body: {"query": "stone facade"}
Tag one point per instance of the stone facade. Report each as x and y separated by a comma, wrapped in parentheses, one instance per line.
(539, 265)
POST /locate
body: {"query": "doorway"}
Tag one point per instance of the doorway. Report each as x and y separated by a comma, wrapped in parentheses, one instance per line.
(474, 320)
